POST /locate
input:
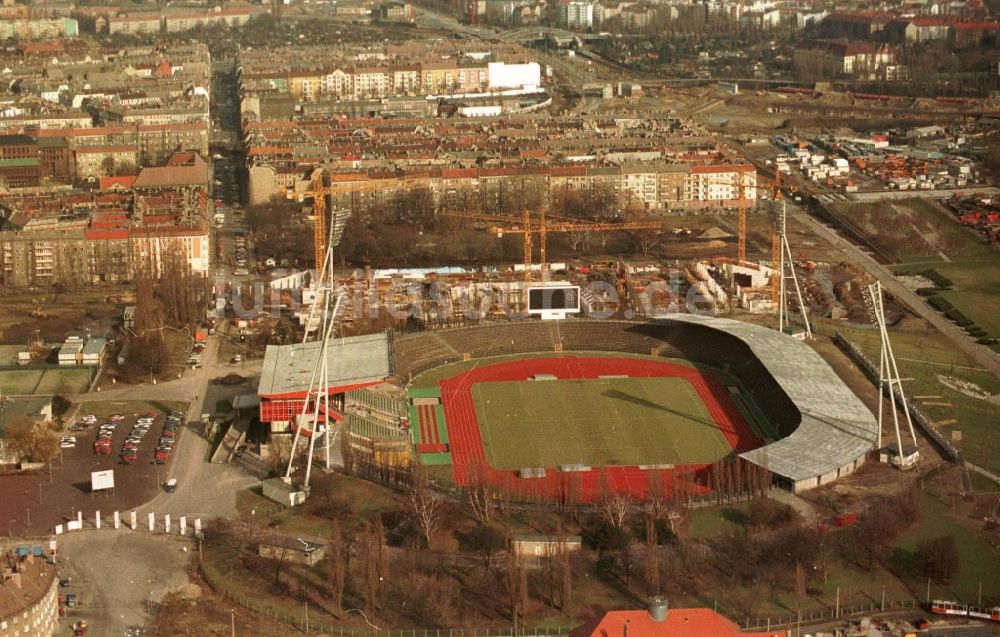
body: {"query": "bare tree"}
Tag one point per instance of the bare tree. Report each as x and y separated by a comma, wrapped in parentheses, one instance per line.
(516, 581)
(652, 555)
(371, 571)
(427, 506)
(381, 558)
(647, 240)
(565, 566)
(479, 491)
(34, 441)
(937, 558)
(613, 504)
(335, 565)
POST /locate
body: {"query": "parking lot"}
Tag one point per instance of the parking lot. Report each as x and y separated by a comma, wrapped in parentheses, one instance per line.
(134, 447)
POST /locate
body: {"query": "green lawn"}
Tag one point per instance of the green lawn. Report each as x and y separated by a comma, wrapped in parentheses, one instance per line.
(710, 522)
(921, 359)
(978, 561)
(75, 380)
(595, 422)
(972, 266)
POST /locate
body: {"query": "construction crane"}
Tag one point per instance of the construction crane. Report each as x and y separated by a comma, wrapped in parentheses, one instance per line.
(776, 243)
(743, 205)
(741, 241)
(540, 225)
(318, 190)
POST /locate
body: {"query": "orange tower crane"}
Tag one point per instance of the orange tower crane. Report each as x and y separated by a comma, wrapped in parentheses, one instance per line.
(743, 205)
(318, 191)
(741, 241)
(776, 244)
(540, 225)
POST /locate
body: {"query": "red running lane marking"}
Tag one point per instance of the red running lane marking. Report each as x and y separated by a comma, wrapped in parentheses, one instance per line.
(467, 449)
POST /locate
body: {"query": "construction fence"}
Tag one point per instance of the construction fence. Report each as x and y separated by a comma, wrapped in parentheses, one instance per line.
(829, 614)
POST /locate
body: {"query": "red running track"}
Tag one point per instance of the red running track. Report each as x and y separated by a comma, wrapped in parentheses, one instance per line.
(468, 454)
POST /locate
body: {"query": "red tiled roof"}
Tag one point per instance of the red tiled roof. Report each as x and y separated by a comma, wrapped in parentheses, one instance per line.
(182, 169)
(125, 181)
(975, 26)
(680, 622)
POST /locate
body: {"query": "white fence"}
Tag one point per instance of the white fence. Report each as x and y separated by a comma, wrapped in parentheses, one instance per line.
(152, 524)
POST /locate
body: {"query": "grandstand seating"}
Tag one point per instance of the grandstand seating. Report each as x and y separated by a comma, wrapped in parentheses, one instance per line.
(419, 352)
(607, 336)
(519, 337)
(366, 427)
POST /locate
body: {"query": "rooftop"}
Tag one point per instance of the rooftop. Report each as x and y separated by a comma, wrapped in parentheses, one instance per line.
(836, 427)
(679, 622)
(355, 360)
(19, 594)
(192, 171)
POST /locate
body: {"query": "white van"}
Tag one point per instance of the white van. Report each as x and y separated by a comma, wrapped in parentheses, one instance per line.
(170, 485)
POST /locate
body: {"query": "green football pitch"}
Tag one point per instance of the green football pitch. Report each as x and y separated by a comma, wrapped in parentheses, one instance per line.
(595, 422)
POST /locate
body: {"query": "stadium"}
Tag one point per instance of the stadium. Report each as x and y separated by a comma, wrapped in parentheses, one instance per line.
(536, 406)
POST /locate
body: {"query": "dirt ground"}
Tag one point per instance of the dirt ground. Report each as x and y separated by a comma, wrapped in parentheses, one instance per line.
(54, 322)
(34, 503)
(874, 478)
(199, 610)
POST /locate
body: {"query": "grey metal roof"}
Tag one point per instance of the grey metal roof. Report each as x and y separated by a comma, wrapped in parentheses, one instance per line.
(836, 427)
(351, 361)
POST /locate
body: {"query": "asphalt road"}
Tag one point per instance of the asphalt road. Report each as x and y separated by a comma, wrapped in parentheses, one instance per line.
(202, 489)
(983, 356)
(117, 574)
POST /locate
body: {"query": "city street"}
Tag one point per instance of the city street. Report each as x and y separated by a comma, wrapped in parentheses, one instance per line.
(985, 357)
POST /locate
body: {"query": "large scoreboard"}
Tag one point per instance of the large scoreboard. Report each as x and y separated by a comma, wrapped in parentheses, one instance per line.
(554, 301)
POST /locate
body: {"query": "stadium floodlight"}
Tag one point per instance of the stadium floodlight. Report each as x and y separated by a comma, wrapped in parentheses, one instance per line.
(328, 304)
(786, 272)
(889, 383)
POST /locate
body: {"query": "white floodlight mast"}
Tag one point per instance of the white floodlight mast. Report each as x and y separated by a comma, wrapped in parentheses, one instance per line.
(787, 262)
(319, 387)
(888, 372)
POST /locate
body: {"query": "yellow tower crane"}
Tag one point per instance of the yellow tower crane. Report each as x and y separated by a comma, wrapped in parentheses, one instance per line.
(318, 190)
(776, 243)
(537, 223)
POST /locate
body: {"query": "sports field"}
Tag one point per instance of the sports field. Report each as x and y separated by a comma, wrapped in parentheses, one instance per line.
(595, 422)
(29, 381)
(577, 422)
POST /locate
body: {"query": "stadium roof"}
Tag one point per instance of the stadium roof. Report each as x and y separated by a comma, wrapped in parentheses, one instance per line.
(352, 361)
(836, 427)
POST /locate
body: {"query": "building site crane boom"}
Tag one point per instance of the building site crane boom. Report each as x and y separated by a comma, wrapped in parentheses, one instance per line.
(318, 190)
(537, 223)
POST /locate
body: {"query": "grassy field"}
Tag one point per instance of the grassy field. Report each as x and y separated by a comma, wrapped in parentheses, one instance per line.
(970, 264)
(75, 380)
(598, 422)
(977, 559)
(921, 360)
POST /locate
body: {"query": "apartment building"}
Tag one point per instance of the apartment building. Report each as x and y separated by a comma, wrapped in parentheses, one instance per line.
(38, 28)
(19, 161)
(29, 605)
(575, 14)
(836, 58)
(133, 24)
